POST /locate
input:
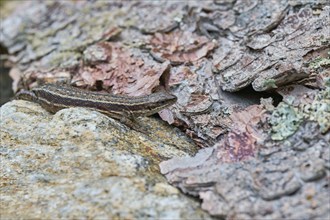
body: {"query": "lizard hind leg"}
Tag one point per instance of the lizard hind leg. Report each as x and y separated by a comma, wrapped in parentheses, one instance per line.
(132, 123)
(126, 119)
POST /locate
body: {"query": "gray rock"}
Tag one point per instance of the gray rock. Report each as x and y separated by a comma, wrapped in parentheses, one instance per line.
(81, 164)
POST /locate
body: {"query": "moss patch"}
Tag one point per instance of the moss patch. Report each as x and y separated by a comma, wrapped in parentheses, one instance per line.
(286, 118)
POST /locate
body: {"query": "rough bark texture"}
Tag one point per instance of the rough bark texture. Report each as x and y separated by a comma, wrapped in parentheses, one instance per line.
(282, 181)
(215, 45)
(251, 76)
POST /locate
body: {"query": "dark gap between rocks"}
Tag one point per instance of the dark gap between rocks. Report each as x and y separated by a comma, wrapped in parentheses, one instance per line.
(248, 96)
(6, 92)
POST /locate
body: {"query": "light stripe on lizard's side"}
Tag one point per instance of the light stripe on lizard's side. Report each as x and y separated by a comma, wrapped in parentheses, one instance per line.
(54, 97)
